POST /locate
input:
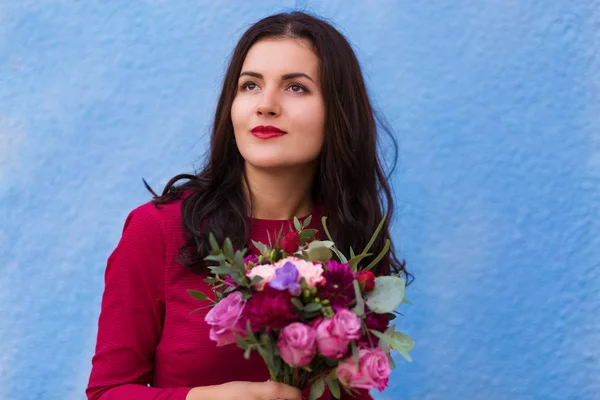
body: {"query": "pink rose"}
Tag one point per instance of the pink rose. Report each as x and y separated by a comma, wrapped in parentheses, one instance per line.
(265, 271)
(297, 344)
(346, 325)
(373, 370)
(310, 271)
(225, 319)
(328, 343)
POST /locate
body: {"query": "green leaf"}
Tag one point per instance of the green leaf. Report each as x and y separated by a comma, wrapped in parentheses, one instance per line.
(307, 221)
(247, 353)
(318, 251)
(255, 280)
(222, 270)
(324, 223)
(400, 342)
(387, 295)
(215, 257)
(312, 307)
(269, 239)
(375, 234)
(334, 387)
(308, 234)
(213, 242)
(391, 361)
(197, 295)
(196, 310)
(228, 249)
(299, 305)
(250, 333)
(352, 255)
(241, 280)
(241, 342)
(317, 389)
(230, 289)
(259, 246)
(360, 303)
(353, 262)
(405, 342)
(338, 253)
(354, 353)
(297, 224)
(386, 248)
(310, 315)
(238, 260)
(277, 364)
(279, 236)
(350, 394)
(326, 243)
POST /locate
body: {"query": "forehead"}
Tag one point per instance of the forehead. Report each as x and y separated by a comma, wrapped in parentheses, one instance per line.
(281, 56)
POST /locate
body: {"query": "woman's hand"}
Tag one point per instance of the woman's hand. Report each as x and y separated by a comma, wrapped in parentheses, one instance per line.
(246, 391)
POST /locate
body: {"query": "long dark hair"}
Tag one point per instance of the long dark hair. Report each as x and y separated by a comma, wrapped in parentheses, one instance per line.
(349, 184)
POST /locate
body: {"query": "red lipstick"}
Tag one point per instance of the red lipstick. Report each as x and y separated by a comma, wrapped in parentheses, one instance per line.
(267, 132)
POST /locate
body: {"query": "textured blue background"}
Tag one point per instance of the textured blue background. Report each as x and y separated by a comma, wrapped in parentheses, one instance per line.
(496, 107)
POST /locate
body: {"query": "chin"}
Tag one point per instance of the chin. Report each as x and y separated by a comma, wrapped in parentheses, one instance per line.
(275, 162)
(268, 163)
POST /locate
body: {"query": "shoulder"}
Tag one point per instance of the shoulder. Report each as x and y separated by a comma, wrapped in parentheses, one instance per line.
(155, 220)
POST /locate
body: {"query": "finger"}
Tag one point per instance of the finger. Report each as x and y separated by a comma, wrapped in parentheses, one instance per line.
(282, 391)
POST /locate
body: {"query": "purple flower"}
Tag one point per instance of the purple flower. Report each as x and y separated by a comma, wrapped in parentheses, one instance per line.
(286, 279)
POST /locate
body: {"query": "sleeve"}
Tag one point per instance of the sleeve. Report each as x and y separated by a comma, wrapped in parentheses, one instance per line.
(131, 316)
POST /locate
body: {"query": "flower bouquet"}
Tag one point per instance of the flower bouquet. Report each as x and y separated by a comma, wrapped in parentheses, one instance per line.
(315, 321)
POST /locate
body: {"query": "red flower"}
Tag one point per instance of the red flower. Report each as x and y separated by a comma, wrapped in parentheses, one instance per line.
(270, 308)
(366, 280)
(378, 322)
(339, 285)
(289, 242)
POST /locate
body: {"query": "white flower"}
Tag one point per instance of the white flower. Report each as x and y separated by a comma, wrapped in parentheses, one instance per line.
(266, 272)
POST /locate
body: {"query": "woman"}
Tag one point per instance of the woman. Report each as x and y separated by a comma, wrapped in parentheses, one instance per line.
(294, 134)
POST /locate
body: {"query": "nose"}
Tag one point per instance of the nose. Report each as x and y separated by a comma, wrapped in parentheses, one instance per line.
(268, 104)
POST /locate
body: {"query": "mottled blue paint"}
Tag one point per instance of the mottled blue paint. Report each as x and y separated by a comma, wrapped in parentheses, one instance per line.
(496, 108)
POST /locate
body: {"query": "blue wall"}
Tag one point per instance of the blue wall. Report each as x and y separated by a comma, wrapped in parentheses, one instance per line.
(496, 107)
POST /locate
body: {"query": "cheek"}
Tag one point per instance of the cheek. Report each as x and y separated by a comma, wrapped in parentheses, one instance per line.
(311, 119)
(236, 113)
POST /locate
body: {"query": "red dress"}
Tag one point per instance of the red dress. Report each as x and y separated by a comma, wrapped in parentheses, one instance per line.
(149, 346)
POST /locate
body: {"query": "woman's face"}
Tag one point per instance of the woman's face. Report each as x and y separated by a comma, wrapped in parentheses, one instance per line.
(278, 112)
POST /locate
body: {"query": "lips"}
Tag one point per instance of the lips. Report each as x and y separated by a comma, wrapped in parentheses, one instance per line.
(267, 132)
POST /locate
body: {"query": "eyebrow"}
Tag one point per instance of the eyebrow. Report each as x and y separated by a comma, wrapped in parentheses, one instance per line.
(285, 77)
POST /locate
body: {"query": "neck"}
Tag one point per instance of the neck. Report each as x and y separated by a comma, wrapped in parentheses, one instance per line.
(279, 194)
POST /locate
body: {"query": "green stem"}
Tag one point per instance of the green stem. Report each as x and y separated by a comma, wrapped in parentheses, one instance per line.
(316, 378)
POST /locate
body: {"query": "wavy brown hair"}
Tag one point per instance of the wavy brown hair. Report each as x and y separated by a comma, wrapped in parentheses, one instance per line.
(349, 183)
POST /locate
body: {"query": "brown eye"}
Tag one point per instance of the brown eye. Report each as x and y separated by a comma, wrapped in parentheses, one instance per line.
(249, 86)
(297, 88)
